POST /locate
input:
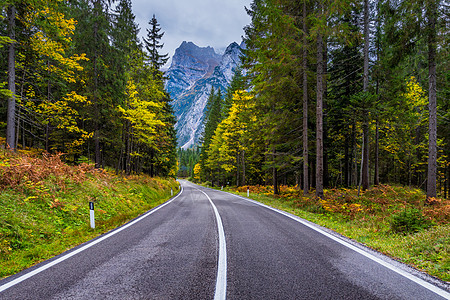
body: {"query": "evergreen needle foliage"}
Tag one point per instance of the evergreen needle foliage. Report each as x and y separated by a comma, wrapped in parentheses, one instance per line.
(339, 94)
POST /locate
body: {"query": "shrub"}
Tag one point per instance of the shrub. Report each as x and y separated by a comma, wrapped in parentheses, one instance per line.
(408, 221)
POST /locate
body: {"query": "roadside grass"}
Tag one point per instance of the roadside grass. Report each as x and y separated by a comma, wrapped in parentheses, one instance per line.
(45, 205)
(369, 220)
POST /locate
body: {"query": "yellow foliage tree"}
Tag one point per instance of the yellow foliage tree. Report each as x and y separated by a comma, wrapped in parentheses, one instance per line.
(141, 114)
(197, 171)
(53, 69)
(230, 140)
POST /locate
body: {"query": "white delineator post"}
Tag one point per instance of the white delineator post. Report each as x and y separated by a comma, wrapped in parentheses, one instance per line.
(248, 192)
(91, 214)
(171, 191)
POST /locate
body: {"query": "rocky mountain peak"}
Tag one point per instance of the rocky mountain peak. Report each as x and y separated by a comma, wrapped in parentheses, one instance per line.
(188, 53)
(189, 64)
(194, 70)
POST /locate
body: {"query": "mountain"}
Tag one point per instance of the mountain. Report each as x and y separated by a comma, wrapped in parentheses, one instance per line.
(194, 70)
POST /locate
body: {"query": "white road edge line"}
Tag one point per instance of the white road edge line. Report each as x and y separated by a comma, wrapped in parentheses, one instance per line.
(63, 258)
(221, 281)
(403, 273)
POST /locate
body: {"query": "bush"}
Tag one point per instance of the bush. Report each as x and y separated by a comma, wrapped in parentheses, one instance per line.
(408, 221)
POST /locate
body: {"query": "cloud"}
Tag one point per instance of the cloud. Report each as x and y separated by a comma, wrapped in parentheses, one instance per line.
(214, 23)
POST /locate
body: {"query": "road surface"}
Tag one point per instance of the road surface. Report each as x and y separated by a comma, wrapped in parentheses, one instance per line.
(208, 244)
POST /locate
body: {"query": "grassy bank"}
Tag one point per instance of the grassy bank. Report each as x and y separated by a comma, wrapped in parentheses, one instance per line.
(45, 211)
(393, 220)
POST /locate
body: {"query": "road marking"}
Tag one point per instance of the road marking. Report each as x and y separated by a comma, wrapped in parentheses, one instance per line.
(221, 281)
(63, 258)
(386, 264)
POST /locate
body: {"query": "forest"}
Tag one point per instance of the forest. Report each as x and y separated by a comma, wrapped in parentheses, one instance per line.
(76, 79)
(330, 94)
(335, 94)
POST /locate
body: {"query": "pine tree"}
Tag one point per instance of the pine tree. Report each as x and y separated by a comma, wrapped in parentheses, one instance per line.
(305, 102)
(152, 44)
(365, 159)
(237, 83)
(211, 121)
(11, 122)
(431, 16)
(319, 109)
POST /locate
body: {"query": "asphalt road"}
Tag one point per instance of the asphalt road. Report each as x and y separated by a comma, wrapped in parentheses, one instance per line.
(207, 244)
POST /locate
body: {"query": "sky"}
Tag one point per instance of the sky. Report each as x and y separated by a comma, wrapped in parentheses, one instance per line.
(215, 23)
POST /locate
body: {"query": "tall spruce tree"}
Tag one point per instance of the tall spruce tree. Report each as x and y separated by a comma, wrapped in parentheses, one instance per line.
(153, 44)
(365, 150)
(432, 7)
(211, 120)
(11, 121)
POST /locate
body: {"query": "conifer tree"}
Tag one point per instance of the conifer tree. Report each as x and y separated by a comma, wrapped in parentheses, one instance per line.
(431, 29)
(305, 102)
(153, 44)
(237, 83)
(211, 121)
(365, 150)
(11, 121)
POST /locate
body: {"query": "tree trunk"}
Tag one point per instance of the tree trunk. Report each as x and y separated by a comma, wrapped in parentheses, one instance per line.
(238, 171)
(152, 163)
(11, 124)
(97, 149)
(243, 168)
(362, 164)
(448, 183)
(432, 131)
(376, 178)
(97, 114)
(319, 118)
(326, 178)
(305, 107)
(365, 157)
(275, 181)
(347, 162)
(365, 162)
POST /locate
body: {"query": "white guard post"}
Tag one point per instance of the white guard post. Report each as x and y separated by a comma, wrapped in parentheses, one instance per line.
(91, 214)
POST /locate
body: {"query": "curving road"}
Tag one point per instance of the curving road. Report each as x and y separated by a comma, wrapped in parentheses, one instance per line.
(207, 244)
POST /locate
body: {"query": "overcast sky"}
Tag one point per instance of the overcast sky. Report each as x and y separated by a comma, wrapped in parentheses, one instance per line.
(215, 23)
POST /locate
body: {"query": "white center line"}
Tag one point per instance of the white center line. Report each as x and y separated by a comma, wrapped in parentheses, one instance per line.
(64, 257)
(221, 281)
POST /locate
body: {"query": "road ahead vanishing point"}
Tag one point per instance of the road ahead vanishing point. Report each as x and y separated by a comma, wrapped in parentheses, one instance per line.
(208, 244)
